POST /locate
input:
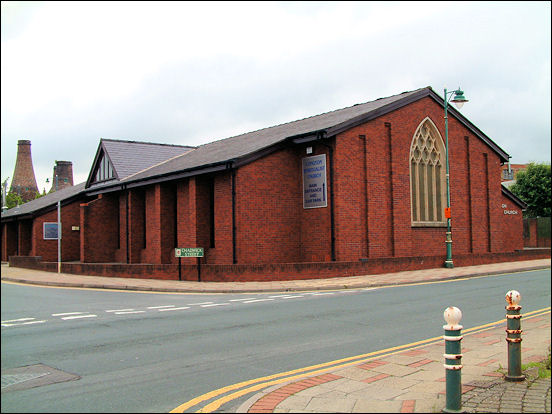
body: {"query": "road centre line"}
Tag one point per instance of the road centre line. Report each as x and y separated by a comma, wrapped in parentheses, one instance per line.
(67, 313)
(127, 312)
(119, 310)
(172, 309)
(291, 297)
(79, 317)
(202, 303)
(267, 381)
(257, 300)
(215, 304)
(19, 320)
(22, 323)
(240, 300)
(322, 293)
(161, 307)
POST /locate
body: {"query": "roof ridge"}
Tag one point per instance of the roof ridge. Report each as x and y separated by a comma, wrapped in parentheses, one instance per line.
(267, 128)
(147, 143)
(313, 116)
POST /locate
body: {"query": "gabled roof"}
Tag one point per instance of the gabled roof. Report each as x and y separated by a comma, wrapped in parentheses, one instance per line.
(241, 149)
(131, 157)
(506, 191)
(243, 146)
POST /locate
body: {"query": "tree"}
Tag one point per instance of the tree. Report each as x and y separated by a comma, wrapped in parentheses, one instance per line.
(533, 187)
(13, 199)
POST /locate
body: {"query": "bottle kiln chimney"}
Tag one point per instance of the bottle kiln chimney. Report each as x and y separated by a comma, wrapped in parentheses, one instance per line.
(24, 181)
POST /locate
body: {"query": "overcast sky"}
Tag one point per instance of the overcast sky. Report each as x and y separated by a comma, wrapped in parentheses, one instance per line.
(190, 73)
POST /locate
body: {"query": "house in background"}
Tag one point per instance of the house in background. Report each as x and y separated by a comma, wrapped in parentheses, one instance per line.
(509, 171)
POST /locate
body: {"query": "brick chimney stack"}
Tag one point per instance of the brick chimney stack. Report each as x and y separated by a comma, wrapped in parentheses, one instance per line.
(64, 171)
(24, 181)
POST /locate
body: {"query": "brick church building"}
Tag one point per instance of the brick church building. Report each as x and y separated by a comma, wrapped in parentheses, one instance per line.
(357, 190)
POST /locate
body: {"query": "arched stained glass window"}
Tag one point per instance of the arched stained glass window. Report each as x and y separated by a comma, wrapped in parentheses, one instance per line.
(427, 176)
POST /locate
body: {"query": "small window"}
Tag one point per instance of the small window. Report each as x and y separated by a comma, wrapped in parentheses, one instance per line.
(507, 175)
(104, 170)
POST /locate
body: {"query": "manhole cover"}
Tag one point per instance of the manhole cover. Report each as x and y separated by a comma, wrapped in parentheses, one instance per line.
(32, 376)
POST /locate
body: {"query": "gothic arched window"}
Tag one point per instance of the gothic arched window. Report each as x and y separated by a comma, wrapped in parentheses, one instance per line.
(427, 176)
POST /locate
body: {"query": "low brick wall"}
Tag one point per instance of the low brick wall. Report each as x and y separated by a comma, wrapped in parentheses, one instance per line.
(275, 271)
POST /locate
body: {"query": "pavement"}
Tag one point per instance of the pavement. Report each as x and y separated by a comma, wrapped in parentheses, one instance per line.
(411, 379)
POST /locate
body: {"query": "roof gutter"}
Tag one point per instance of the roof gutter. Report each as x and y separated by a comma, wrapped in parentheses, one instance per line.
(220, 166)
(514, 198)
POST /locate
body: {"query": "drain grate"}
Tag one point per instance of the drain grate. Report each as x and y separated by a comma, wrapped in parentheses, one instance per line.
(32, 376)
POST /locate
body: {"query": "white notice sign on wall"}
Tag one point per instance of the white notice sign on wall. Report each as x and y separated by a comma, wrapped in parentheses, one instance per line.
(314, 182)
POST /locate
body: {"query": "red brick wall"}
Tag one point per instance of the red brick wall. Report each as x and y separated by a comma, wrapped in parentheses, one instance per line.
(70, 239)
(167, 219)
(9, 240)
(222, 252)
(477, 222)
(511, 222)
(152, 251)
(25, 237)
(268, 209)
(276, 271)
(99, 229)
(121, 252)
(315, 223)
(136, 220)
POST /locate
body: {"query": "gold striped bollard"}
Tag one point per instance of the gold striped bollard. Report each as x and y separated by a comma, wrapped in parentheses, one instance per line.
(513, 336)
(453, 359)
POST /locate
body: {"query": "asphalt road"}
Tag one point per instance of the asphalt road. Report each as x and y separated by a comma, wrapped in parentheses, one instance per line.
(152, 352)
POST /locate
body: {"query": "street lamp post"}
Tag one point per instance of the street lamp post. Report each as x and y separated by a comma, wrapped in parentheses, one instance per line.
(459, 101)
(58, 224)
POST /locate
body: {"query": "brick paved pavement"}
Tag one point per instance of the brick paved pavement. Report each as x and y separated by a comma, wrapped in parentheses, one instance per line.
(413, 380)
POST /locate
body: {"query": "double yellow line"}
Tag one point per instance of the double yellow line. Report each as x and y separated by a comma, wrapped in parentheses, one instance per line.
(246, 387)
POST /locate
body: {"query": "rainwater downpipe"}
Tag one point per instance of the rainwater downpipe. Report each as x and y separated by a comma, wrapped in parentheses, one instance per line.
(390, 141)
(126, 227)
(234, 258)
(332, 219)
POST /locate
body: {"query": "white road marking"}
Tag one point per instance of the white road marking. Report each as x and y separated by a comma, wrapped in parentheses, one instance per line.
(67, 313)
(18, 320)
(202, 303)
(22, 323)
(214, 304)
(120, 310)
(291, 297)
(323, 293)
(161, 307)
(79, 317)
(126, 312)
(257, 300)
(240, 300)
(172, 309)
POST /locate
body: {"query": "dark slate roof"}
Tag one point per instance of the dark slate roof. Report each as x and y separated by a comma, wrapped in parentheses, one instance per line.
(231, 149)
(44, 202)
(242, 147)
(131, 157)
